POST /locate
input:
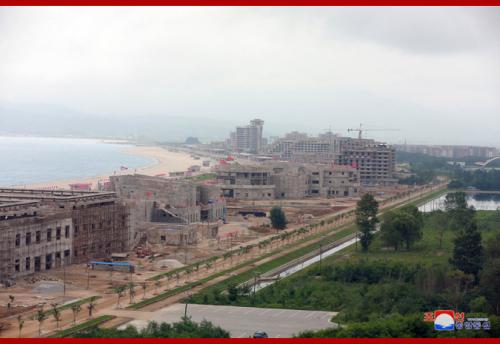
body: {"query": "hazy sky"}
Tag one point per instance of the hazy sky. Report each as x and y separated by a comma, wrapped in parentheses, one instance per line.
(433, 73)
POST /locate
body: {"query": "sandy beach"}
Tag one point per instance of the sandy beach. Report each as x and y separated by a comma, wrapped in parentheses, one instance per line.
(165, 161)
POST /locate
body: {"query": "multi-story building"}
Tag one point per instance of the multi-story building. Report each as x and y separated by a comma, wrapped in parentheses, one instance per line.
(41, 230)
(375, 160)
(450, 151)
(287, 180)
(245, 182)
(248, 138)
(167, 204)
(299, 144)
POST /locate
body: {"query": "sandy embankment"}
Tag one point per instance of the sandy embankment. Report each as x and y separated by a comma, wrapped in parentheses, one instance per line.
(166, 161)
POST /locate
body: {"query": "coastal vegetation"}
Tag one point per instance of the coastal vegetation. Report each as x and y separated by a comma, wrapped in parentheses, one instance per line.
(186, 328)
(487, 180)
(375, 290)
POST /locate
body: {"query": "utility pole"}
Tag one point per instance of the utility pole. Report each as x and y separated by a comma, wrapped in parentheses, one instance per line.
(185, 250)
(88, 276)
(255, 285)
(64, 279)
(186, 305)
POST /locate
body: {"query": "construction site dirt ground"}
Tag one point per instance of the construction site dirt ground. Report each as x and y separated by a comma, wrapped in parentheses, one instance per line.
(81, 282)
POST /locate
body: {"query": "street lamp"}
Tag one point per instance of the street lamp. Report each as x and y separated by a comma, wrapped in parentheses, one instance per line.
(189, 294)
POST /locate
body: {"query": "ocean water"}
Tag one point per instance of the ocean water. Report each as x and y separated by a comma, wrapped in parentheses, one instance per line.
(29, 160)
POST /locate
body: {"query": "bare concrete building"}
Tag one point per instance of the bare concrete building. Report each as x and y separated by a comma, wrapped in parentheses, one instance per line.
(179, 234)
(375, 160)
(450, 151)
(156, 202)
(296, 143)
(41, 230)
(248, 138)
(287, 180)
(245, 182)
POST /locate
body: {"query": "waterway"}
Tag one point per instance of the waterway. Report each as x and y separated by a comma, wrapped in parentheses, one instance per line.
(480, 201)
(30, 160)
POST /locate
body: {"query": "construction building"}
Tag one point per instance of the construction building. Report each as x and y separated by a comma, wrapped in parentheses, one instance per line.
(248, 139)
(287, 180)
(450, 151)
(41, 230)
(173, 206)
(295, 143)
(374, 160)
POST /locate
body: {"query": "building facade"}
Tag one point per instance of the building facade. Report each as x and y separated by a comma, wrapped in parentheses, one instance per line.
(376, 161)
(41, 230)
(287, 180)
(248, 138)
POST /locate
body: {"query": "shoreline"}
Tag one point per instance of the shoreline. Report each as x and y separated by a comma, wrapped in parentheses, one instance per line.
(165, 161)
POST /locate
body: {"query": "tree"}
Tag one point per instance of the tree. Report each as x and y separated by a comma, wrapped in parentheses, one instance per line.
(75, 308)
(119, 291)
(144, 286)
(40, 316)
(492, 248)
(389, 230)
(489, 283)
(490, 276)
(455, 200)
(462, 282)
(20, 324)
(186, 328)
(468, 255)
(460, 215)
(278, 218)
(455, 184)
(158, 284)
(91, 305)
(131, 290)
(440, 223)
(402, 226)
(10, 304)
(56, 313)
(366, 219)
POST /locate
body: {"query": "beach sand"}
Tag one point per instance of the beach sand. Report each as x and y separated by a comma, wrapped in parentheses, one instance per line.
(166, 161)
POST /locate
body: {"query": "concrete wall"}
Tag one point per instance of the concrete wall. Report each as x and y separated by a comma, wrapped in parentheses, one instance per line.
(45, 239)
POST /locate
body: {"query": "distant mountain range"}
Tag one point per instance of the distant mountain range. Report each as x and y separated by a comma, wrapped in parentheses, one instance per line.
(53, 120)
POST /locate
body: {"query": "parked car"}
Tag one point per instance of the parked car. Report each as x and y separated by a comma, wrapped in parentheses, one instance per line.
(260, 334)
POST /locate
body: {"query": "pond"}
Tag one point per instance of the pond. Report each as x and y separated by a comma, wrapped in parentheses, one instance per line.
(480, 201)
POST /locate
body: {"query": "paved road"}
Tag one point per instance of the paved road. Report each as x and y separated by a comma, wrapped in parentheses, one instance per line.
(239, 321)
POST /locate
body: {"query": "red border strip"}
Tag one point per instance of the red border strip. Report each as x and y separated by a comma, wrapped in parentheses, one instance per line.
(249, 3)
(251, 340)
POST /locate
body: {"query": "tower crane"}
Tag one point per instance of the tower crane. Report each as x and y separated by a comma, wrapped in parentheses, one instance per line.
(360, 130)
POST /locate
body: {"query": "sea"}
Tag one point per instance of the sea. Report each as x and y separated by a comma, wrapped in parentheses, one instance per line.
(30, 160)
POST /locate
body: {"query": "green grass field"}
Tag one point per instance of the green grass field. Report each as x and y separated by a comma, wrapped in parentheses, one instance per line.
(422, 275)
